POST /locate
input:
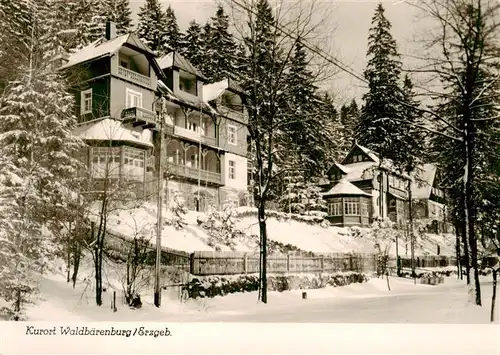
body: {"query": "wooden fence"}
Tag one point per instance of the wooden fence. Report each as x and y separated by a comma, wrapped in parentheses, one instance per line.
(233, 263)
(204, 263)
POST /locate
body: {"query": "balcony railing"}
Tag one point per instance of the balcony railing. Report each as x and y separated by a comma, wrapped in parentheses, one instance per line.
(196, 136)
(134, 76)
(139, 117)
(194, 173)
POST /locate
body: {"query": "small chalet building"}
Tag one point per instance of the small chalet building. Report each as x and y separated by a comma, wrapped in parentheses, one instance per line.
(347, 204)
(360, 169)
(122, 90)
(429, 199)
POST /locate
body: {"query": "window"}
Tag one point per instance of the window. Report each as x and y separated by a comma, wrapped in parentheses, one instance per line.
(133, 162)
(106, 162)
(86, 102)
(231, 134)
(192, 126)
(351, 206)
(360, 158)
(125, 62)
(188, 85)
(249, 172)
(355, 159)
(335, 207)
(133, 99)
(232, 170)
(364, 208)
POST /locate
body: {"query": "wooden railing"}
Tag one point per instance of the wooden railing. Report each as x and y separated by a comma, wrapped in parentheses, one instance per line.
(194, 173)
(134, 76)
(196, 136)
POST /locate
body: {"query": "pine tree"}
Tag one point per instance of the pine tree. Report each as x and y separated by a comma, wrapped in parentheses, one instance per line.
(15, 28)
(152, 26)
(192, 45)
(118, 11)
(173, 35)
(378, 128)
(220, 48)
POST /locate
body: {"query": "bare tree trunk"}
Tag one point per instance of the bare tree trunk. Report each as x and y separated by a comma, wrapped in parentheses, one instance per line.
(263, 233)
(68, 260)
(459, 261)
(412, 237)
(494, 296)
(17, 304)
(469, 206)
(77, 254)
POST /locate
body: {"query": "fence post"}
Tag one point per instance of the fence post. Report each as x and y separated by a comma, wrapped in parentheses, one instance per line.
(288, 262)
(191, 264)
(350, 263)
(322, 263)
(245, 263)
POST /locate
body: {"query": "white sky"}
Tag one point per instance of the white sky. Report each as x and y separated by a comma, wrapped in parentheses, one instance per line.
(352, 19)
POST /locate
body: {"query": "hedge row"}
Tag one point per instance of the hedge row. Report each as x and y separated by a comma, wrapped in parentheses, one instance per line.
(211, 286)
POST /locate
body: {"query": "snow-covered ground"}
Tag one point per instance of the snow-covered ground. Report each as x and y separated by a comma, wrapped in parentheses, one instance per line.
(360, 303)
(308, 237)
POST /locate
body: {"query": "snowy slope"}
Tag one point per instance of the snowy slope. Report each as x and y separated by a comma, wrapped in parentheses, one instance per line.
(306, 236)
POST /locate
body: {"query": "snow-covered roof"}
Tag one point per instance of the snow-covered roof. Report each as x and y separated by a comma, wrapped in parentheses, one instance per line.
(174, 59)
(110, 129)
(368, 152)
(360, 171)
(213, 91)
(103, 47)
(344, 187)
(422, 188)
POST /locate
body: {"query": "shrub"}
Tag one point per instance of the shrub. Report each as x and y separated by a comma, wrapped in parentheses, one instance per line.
(211, 286)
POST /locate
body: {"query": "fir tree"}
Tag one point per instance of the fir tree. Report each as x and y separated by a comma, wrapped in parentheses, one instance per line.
(152, 26)
(378, 128)
(220, 48)
(192, 45)
(36, 118)
(118, 11)
(173, 36)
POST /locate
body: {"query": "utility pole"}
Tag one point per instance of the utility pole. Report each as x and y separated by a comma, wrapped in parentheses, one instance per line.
(159, 227)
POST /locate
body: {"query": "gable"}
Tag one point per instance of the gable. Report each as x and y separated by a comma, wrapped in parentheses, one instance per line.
(335, 172)
(357, 155)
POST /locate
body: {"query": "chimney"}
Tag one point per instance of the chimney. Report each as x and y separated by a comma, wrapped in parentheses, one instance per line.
(110, 30)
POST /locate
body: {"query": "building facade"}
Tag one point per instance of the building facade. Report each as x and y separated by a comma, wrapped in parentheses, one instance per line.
(362, 175)
(122, 93)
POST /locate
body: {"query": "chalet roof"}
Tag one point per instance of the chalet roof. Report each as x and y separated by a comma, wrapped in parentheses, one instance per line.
(344, 187)
(103, 47)
(213, 91)
(368, 152)
(175, 60)
(110, 129)
(344, 169)
(360, 171)
(190, 100)
(426, 174)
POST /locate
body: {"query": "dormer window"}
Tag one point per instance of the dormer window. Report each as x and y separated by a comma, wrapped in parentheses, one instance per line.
(187, 83)
(232, 102)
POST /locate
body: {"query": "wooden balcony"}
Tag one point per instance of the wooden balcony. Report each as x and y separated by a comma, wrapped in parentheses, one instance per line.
(134, 77)
(195, 136)
(194, 173)
(139, 117)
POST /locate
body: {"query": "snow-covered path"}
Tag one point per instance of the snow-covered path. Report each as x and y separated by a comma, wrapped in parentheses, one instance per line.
(445, 303)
